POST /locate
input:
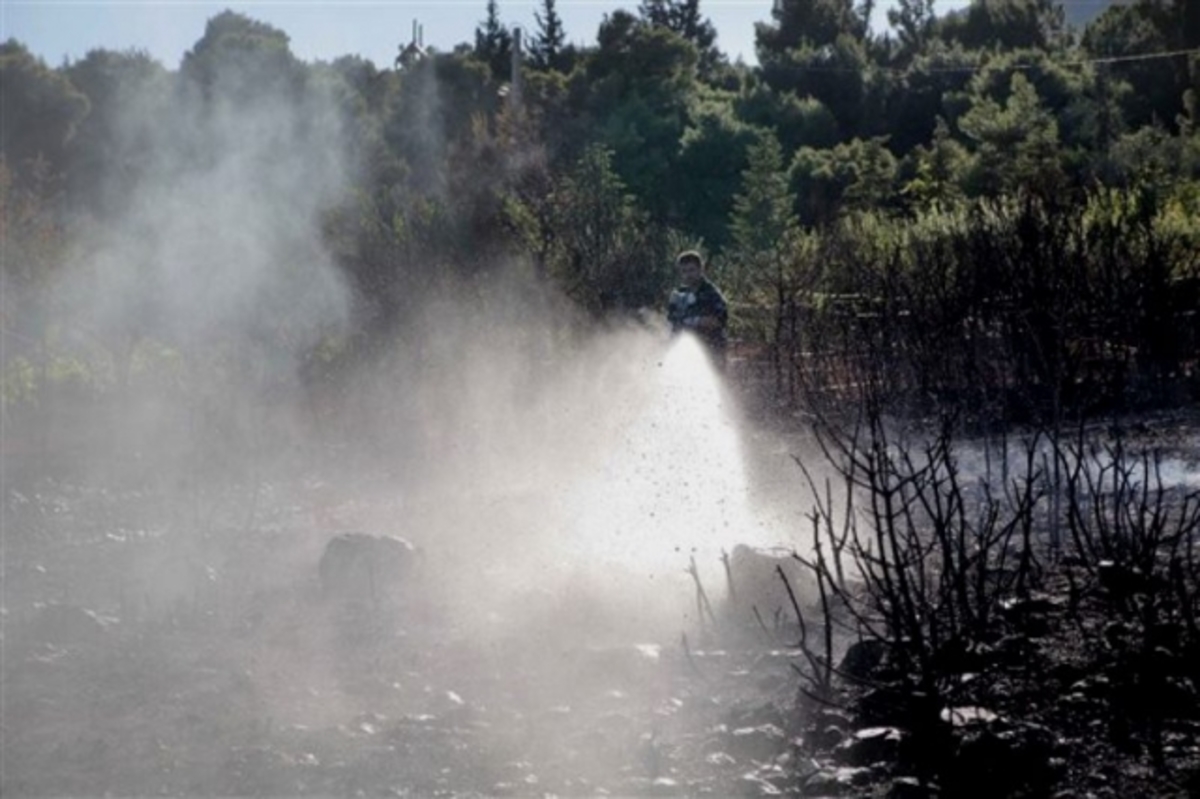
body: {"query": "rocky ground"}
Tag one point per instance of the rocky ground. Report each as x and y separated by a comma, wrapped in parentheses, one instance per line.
(235, 676)
(181, 713)
(1084, 682)
(246, 680)
(1052, 706)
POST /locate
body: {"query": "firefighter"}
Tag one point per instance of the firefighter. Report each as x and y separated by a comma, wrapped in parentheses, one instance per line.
(697, 305)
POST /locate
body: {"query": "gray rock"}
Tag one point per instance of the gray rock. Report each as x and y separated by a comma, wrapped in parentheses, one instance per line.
(759, 783)
(761, 743)
(828, 736)
(755, 582)
(871, 745)
(361, 567)
(968, 715)
(910, 788)
(863, 659)
(837, 781)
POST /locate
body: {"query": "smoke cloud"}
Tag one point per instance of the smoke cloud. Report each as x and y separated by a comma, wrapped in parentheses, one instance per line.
(558, 480)
(220, 241)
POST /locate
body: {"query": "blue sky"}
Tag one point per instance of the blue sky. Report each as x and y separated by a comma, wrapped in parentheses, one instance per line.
(326, 29)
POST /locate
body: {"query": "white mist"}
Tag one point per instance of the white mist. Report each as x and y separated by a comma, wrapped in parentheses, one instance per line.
(667, 484)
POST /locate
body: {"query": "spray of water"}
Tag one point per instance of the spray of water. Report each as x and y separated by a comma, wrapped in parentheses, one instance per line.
(670, 484)
(602, 504)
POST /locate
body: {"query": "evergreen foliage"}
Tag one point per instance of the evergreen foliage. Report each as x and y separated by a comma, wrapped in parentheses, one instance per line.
(547, 46)
(836, 146)
(494, 42)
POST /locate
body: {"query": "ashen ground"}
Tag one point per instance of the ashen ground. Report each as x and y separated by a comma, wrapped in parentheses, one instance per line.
(247, 682)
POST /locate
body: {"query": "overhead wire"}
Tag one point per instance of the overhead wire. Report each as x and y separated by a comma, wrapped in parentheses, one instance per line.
(1079, 62)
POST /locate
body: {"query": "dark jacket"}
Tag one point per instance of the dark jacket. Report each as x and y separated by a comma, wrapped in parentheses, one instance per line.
(687, 305)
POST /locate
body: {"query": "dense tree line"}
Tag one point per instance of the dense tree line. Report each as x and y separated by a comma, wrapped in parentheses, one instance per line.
(612, 155)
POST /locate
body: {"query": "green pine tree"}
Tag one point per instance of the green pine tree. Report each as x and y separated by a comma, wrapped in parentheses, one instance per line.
(493, 42)
(547, 46)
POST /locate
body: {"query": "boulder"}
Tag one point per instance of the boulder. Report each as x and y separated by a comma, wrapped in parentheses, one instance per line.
(755, 583)
(366, 568)
(863, 659)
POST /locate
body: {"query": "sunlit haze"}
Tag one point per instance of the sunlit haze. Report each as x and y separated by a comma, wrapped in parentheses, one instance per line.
(671, 482)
